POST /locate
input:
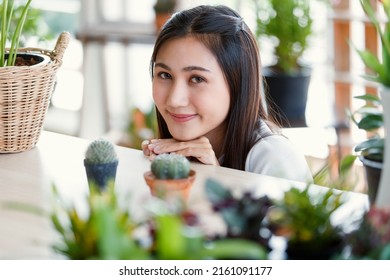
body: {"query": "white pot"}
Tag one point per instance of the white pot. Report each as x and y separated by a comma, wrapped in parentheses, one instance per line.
(383, 196)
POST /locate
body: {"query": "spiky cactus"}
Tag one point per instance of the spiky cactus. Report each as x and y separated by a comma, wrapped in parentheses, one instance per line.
(170, 166)
(100, 151)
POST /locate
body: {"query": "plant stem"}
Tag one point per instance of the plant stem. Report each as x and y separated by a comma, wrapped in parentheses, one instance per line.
(16, 38)
(3, 35)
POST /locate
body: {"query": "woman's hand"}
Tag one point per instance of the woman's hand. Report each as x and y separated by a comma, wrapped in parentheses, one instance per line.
(200, 149)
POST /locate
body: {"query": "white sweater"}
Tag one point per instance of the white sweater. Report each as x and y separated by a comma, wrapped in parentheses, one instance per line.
(276, 156)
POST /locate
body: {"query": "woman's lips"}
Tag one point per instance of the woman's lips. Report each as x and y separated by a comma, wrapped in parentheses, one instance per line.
(181, 118)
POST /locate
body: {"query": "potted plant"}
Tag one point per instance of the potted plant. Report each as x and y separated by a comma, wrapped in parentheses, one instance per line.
(27, 78)
(304, 219)
(168, 232)
(288, 26)
(379, 65)
(244, 216)
(370, 118)
(101, 163)
(371, 239)
(163, 10)
(170, 176)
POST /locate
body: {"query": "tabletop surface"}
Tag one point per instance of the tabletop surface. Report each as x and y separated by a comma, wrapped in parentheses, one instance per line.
(26, 181)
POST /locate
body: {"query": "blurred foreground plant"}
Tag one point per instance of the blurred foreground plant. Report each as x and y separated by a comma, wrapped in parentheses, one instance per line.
(109, 231)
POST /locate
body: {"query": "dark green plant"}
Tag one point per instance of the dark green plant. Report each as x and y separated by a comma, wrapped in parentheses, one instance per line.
(378, 64)
(243, 216)
(370, 118)
(305, 219)
(100, 151)
(165, 6)
(170, 166)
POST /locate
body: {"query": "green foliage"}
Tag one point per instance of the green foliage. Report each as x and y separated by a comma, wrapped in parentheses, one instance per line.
(344, 179)
(110, 232)
(370, 118)
(170, 166)
(379, 65)
(6, 17)
(100, 151)
(243, 216)
(304, 216)
(288, 23)
(17, 23)
(104, 234)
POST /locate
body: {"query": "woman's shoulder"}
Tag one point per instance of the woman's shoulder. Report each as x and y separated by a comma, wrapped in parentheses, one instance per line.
(275, 155)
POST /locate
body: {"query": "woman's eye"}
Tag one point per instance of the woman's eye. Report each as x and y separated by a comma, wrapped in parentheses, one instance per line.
(197, 80)
(164, 75)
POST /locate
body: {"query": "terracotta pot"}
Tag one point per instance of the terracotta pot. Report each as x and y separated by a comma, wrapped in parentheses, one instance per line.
(167, 188)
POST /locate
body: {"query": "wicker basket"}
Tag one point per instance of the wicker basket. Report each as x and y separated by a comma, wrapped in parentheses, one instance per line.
(25, 93)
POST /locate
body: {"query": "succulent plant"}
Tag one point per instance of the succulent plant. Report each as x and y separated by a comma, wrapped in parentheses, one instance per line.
(170, 166)
(100, 151)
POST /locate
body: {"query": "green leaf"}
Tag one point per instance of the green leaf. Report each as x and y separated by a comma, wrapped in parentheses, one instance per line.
(372, 62)
(170, 242)
(114, 239)
(377, 143)
(16, 37)
(346, 164)
(226, 249)
(370, 98)
(371, 122)
(216, 193)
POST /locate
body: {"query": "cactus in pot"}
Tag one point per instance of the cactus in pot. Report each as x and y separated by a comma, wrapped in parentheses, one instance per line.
(170, 175)
(100, 163)
(170, 166)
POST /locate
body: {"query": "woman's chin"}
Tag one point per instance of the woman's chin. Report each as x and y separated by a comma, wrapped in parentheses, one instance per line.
(183, 138)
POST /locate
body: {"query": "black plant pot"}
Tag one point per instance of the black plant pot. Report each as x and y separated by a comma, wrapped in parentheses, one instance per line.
(373, 170)
(315, 250)
(287, 95)
(100, 174)
(31, 59)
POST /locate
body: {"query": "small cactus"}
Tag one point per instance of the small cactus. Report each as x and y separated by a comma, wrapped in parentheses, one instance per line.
(170, 166)
(100, 151)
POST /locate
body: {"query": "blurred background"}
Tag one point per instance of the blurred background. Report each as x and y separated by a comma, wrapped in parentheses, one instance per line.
(104, 87)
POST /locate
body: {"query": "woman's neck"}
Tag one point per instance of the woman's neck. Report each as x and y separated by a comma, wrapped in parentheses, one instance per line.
(216, 138)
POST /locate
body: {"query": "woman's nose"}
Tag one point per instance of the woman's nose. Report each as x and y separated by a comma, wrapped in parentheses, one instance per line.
(178, 94)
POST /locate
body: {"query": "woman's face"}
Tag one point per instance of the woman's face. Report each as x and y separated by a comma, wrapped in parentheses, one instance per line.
(190, 90)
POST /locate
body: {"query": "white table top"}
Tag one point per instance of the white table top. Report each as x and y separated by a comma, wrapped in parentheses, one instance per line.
(27, 177)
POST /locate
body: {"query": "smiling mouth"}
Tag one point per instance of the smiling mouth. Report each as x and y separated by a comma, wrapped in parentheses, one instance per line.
(181, 118)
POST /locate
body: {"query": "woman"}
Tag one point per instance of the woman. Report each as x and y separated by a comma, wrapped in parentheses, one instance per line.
(205, 70)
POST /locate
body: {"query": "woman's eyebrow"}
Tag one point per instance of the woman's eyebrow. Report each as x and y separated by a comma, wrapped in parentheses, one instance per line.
(187, 68)
(162, 65)
(192, 68)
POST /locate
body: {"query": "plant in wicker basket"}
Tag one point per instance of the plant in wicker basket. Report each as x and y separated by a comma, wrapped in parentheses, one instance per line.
(27, 77)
